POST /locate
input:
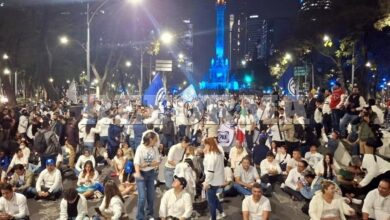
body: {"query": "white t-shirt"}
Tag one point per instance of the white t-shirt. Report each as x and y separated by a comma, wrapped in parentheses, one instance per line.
(235, 157)
(256, 209)
(228, 174)
(146, 155)
(247, 176)
(176, 153)
(331, 210)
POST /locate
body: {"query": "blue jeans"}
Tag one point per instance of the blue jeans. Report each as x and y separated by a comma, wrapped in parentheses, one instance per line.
(213, 201)
(242, 190)
(344, 123)
(146, 194)
(336, 115)
(169, 177)
(104, 140)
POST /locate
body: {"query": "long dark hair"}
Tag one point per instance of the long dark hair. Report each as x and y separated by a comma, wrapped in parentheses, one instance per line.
(331, 176)
(88, 162)
(148, 138)
(111, 190)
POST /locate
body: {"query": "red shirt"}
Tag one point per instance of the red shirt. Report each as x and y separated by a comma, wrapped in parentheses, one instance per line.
(336, 98)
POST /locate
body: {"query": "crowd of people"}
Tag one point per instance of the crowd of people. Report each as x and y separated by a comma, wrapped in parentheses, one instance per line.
(321, 150)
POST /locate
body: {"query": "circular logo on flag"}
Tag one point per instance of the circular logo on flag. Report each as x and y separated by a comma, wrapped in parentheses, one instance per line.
(160, 96)
(291, 86)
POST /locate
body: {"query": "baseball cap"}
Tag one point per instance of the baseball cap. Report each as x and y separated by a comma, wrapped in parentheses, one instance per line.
(50, 162)
(182, 181)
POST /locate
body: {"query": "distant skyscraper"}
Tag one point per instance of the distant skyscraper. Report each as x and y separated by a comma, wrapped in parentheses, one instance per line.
(307, 5)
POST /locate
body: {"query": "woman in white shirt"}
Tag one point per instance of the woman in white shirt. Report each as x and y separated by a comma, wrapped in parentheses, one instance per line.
(215, 176)
(282, 157)
(146, 161)
(112, 206)
(118, 163)
(327, 168)
(327, 204)
(82, 159)
(90, 131)
(87, 180)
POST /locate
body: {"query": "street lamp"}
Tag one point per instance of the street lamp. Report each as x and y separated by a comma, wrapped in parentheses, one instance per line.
(7, 71)
(135, 2)
(185, 83)
(243, 62)
(166, 38)
(128, 64)
(368, 64)
(5, 56)
(51, 80)
(64, 40)
(326, 38)
(181, 56)
(288, 57)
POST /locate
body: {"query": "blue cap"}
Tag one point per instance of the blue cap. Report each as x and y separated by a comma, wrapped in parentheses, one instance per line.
(50, 162)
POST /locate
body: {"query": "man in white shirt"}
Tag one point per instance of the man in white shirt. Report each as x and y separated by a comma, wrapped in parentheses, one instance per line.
(175, 155)
(49, 183)
(313, 157)
(245, 176)
(82, 125)
(103, 124)
(293, 162)
(294, 181)
(256, 206)
(270, 170)
(176, 203)
(377, 202)
(13, 205)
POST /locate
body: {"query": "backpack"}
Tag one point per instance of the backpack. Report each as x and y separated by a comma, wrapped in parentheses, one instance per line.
(299, 132)
(40, 142)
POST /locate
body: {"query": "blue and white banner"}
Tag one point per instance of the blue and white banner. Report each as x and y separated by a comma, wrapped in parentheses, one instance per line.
(189, 93)
(287, 83)
(156, 92)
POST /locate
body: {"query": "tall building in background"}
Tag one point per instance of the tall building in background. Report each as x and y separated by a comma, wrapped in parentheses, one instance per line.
(252, 39)
(308, 5)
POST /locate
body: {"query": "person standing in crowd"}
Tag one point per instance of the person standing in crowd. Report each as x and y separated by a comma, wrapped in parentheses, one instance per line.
(71, 133)
(377, 202)
(114, 134)
(146, 161)
(138, 128)
(289, 134)
(13, 205)
(112, 206)
(103, 125)
(81, 126)
(49, 183)
(89, 135)
(175, 155)
(310, 106)
(73, 206)
(215, 176)
(250, 126)
(168, 131)
(23, 123)
(318, 119)
(337, 105)
(327, 113)
(256, 206)
(353, 105)
(176, 203)
(326, 204)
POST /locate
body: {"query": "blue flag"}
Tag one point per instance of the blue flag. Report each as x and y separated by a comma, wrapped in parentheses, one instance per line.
(287, 83)
(189, 93)
(155, 94)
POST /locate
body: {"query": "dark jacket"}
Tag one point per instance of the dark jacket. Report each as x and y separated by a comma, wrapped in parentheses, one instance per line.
(114, 135)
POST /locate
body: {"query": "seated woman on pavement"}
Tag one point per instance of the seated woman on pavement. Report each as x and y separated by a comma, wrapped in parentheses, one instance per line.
(87, 183)
(87, 156)
(328, 168)
(118, 164)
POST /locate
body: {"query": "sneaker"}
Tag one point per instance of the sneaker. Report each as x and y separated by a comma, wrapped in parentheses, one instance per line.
(221, 215)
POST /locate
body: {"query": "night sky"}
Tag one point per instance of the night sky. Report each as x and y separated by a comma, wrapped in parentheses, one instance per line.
(168, 13)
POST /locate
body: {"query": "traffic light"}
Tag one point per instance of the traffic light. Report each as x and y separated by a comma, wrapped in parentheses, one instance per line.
(248, 79)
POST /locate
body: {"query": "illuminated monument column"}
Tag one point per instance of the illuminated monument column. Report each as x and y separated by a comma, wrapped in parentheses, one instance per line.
(218, 73)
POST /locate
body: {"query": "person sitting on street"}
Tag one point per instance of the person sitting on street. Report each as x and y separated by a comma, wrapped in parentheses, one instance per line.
(112, 206)
(73, 206)
(245, 176)
(282, 157)
(176, 203)
(313, 157)
(327, 168)
(294, 181)
(377, 202)
(293, 162)
(311, 185)
(22, 180)
(88, 182)
(49, 183)
(82, 159)
(237, 152)
(18, 158)
(256, 206)
(13, 205)
(270, 170)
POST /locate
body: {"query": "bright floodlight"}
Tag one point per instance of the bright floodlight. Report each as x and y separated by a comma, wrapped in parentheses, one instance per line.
(136, 2)
(326, 38)
(128, 64)
(185, 83)
(288, 56)
(166, 38)
(181, 56)
(64, 40)
(7, 71)
(51, 80)
(243, 62)
(154, 73)
(368, 64)
(5, 57)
